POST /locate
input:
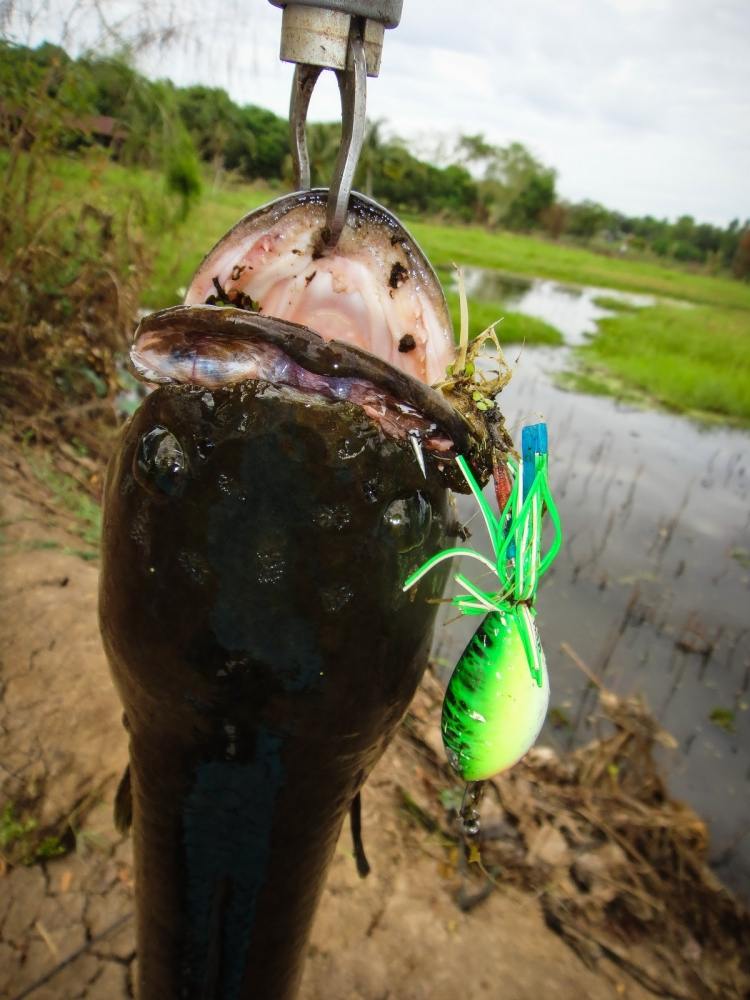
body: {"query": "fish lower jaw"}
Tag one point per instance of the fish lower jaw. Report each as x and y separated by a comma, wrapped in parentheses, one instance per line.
(183, 357)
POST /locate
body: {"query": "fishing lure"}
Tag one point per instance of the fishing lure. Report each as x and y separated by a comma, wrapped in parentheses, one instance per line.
(498, 695)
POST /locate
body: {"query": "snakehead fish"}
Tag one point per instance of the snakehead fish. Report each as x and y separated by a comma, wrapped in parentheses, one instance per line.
(262, 509)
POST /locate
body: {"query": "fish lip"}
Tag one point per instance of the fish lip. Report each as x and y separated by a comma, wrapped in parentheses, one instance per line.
(313, 352)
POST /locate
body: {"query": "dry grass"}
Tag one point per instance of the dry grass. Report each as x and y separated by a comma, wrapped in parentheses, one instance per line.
(620, 868)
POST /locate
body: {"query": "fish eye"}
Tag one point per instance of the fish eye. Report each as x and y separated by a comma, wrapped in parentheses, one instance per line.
(160, 463)
(407, 520)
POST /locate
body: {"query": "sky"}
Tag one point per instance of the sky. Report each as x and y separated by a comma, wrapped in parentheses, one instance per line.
(642, 105)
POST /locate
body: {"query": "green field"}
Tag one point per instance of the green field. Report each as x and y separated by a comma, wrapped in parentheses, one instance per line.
(445, 245)
(692, 360)
(689, 359)
(512, 327)
(181, 251)
(529, 255)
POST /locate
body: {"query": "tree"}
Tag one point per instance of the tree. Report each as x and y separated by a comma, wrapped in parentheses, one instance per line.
(371, 156)
(515, 188)
(586, 219)
(534, 198)
(213, 120)
(741, 261)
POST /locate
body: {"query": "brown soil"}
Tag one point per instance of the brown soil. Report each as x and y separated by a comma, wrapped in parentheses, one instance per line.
(399, 934)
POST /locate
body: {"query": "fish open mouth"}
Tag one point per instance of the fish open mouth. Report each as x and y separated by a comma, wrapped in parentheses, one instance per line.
(374, 289)
(363, 322)
(215, 347)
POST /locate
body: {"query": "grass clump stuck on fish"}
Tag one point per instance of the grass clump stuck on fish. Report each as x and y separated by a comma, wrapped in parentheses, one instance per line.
(692, 360)
(512, 328)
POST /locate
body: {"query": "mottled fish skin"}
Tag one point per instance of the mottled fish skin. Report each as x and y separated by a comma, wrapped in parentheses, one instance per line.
(262, 510)
(256, 540)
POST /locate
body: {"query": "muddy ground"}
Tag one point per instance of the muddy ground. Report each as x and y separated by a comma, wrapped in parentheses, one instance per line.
(66, 929)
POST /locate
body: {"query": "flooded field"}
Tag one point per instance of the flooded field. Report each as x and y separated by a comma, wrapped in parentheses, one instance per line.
(652, 589)
(572, 309)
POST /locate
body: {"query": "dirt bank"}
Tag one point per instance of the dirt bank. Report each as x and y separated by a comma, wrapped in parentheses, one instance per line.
(65, 921)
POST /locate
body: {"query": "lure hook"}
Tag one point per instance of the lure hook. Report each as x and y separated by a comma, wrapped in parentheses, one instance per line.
(352, 83)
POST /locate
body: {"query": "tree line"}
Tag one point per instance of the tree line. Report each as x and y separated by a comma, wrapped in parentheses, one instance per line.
(105, 101)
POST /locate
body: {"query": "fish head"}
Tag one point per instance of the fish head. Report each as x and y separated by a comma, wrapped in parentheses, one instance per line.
(273, 493)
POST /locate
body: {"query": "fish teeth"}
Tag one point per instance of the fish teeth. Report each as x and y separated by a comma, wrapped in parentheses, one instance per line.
(417, 446)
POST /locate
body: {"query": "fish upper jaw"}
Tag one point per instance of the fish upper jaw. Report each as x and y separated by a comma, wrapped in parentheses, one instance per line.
(374, 289)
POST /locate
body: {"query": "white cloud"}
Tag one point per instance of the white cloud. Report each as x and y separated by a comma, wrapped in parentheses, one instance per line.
(641, 104)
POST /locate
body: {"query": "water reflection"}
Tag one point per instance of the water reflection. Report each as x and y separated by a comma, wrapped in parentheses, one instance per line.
(572, 309)
(652, 588)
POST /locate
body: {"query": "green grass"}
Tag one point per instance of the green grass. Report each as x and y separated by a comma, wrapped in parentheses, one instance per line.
(111, 186)
(529, 255)
(19, 841)
(70, 496)
(178, 248)
(172, 249)
(724, 718)
(514, 328)
(115, 188)
(690, 360)
(595, 381)
(181, 250)
(614, 304)
(123, 192)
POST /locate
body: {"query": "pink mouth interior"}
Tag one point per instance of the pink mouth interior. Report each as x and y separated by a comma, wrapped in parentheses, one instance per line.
(366, 291)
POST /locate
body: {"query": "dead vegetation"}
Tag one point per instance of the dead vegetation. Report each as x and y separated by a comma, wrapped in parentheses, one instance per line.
(72, 267)
(620, 868)
(66, 312)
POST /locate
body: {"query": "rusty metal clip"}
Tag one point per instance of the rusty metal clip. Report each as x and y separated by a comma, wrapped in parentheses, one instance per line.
(352, 83)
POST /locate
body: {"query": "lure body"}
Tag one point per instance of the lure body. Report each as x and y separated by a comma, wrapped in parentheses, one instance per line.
(495, 704)
(497, 697)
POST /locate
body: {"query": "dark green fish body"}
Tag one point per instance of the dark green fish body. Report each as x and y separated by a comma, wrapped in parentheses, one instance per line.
(255, 543)
(262, 510)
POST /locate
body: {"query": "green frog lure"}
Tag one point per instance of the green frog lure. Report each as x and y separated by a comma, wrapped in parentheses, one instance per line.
(498, 695)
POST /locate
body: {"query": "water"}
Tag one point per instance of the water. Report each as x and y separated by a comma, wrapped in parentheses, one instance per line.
(572, 309)
(652, 589)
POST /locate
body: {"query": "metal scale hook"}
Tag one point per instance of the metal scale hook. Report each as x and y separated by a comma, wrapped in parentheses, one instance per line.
(345, 36)
(353, 88)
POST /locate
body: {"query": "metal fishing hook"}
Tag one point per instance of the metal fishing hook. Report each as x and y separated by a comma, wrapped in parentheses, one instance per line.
(352, 83)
